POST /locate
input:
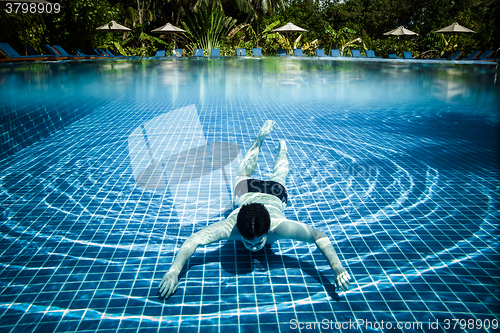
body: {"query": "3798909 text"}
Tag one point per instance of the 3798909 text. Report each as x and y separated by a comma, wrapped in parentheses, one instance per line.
(32, 8)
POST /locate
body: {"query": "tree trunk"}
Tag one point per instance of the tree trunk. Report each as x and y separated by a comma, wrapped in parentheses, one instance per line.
(178, 15)
(140, 12)
(140, 21)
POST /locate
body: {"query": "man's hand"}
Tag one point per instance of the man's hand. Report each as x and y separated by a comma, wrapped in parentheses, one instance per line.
(169, 284)
(341, 277)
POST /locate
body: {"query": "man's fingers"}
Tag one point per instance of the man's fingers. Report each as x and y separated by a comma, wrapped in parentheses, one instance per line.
(163, 288)
(343, 282)
(167, 288)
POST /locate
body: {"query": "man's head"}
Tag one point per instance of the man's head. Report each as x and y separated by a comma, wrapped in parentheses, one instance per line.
(253, 223)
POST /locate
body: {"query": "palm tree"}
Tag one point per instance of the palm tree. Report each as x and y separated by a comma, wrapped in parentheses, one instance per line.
(255, 8)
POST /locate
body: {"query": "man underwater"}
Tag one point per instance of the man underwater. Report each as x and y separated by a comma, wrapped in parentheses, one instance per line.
(259, 218)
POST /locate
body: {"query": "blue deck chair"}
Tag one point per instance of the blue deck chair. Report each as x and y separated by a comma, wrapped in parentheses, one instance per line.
(106, 53)
(281, 53)
(100, 54)
(356, 53)
(407, 55)
(392, 55)
(454, 56)
(112, 55)
(81, 53)
(198, 52)
(471, 56)
(12, 55)
(371, 54)
(241, 52)
(160, 53)
(257, 52)
(444, 56)
(298, 53)
(30, 49)
(320, 53)
(179, 52)
(485, 55)
(335, 53)
(63, 52)
(214, 53)
(52, 51)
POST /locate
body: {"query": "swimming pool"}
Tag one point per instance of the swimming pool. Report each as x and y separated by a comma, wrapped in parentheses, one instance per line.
(396, 161)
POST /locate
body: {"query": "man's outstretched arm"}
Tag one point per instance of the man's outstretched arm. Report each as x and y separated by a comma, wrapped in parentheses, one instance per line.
(302, 232)
(210, 234)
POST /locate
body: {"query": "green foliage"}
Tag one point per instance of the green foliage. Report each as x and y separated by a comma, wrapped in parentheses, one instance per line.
(207, 26)
(232, 24)
(73, 26)
(342, 38)
(266, 39)
(138, 44)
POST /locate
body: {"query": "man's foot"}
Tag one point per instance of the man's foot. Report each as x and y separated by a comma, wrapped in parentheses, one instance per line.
(267, 128)
(281, 147)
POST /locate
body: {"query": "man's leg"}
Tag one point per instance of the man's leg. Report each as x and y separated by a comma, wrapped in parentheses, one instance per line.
(247, 166)
(280, 171)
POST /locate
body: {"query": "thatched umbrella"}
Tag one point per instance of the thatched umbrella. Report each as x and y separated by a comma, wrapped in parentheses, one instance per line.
(289, 28)
(400, 31)
(169, 29)
(454, 29)
(113, 27)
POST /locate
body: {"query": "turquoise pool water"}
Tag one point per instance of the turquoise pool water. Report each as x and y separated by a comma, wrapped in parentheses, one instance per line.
(397, 162)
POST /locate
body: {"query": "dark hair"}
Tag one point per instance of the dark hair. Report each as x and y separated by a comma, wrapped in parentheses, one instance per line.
(253, 220)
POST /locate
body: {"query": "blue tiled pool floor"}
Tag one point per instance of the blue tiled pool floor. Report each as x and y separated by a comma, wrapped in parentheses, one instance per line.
(412, 211)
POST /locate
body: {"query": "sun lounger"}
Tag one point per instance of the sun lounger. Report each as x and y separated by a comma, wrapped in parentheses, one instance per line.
(298, 53)
(198, 52)
(320, 53)
(176, 53)
(454, 56)
(101, 53)
(445, 54)
(31, 50)
(160, 53)
(407, 55)
(63, 53)
(356, 53)
(241, 52)
(281, 53)
(485, 55)
(12, 55)
(257, 52)
(52, 51)
(105, 53)
(392, 55)
(214, 53)
(371, 54)
(471, 56)
(80, 53)
(113, 55)
(335, 53)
